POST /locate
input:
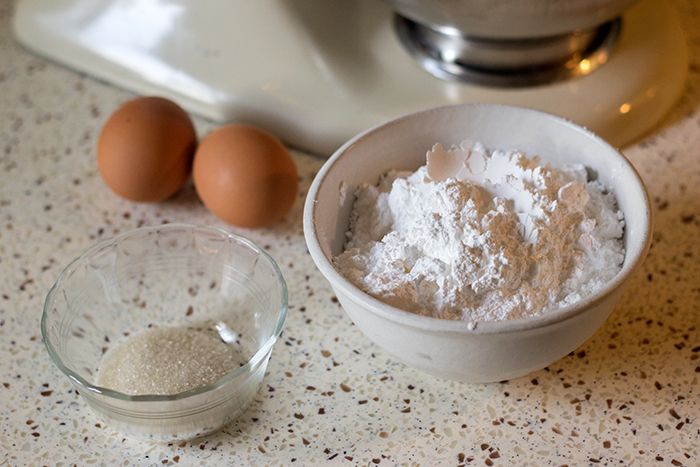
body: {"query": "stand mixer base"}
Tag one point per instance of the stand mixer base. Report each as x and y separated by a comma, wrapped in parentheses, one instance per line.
(317, 72)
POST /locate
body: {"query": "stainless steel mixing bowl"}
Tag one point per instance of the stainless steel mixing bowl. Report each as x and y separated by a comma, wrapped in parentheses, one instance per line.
(509, 42)
(510, 19)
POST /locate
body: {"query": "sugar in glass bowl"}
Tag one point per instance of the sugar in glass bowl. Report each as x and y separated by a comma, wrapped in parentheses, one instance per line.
(459, 350)
(170, 276)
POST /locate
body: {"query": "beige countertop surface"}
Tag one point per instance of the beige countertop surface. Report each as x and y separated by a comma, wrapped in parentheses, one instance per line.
(630, 396)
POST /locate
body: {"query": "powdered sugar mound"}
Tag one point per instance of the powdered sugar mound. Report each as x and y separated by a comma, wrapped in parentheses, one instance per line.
(483, 236)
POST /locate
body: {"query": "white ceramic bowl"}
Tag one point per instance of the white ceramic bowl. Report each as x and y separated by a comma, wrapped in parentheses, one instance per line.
(492, 351)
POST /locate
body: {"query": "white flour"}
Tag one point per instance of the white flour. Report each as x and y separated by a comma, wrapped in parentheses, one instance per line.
(483, 236)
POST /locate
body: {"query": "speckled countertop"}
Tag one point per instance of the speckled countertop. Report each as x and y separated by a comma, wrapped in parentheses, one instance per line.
(628, 396)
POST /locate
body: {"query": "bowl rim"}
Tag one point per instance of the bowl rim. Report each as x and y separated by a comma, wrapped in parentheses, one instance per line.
(253, 361)
(440, 325)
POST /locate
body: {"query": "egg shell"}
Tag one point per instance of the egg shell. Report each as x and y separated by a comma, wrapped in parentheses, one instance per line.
(145, 149)
(245, 176)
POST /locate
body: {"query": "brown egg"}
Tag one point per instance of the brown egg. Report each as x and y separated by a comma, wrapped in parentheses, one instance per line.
(145, 149)
(245, 176)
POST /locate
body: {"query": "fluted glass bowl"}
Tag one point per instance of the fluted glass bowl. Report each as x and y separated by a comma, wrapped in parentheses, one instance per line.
(175, 276)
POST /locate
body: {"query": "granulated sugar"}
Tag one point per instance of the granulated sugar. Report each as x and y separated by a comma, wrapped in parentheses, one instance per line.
(483, 235)
(167, 361)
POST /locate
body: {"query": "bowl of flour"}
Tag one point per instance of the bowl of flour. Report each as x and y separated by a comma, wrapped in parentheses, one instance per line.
(478, 242)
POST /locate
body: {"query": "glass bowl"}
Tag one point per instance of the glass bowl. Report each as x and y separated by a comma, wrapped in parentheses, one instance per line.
(174, 276)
